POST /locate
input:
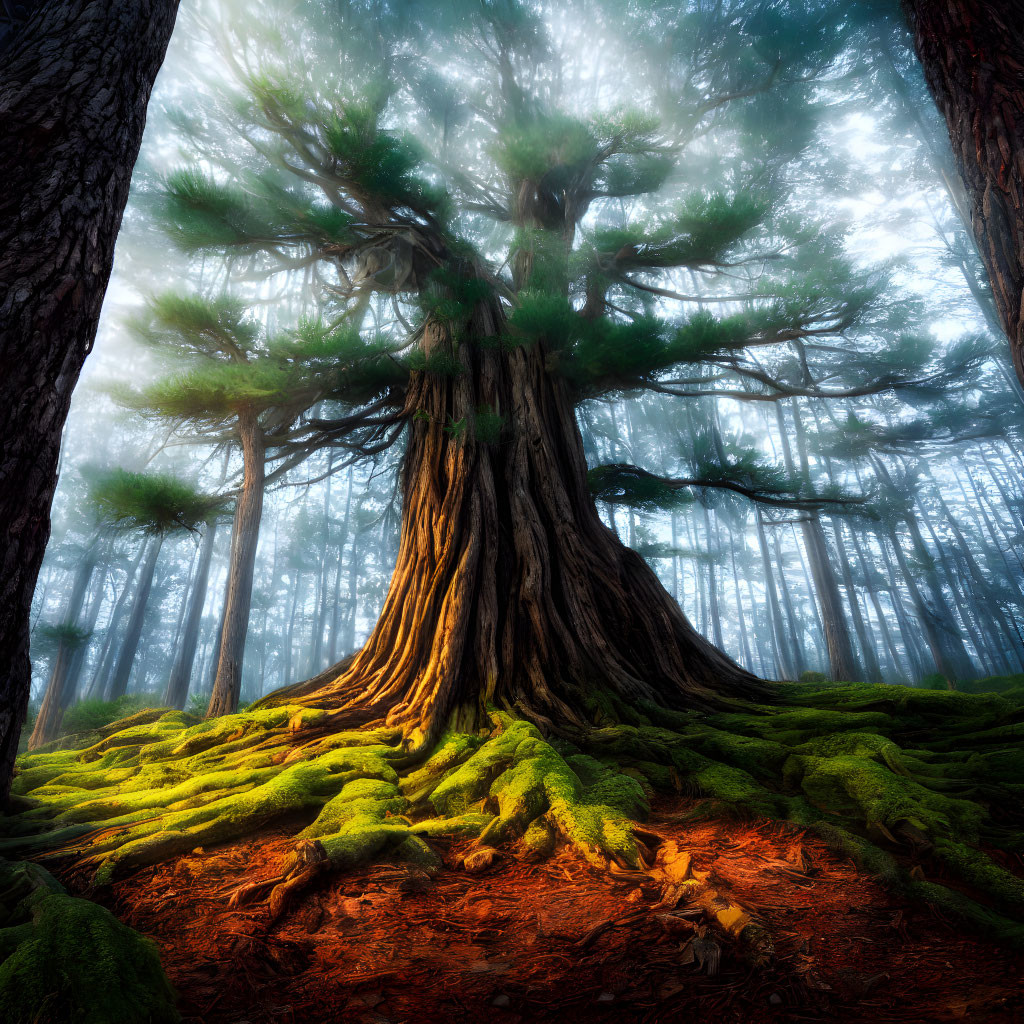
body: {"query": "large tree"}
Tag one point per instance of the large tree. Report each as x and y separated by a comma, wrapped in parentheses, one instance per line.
(75, 80)
(972, 52)
(501, 234)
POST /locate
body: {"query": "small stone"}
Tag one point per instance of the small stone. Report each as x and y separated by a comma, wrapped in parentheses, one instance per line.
(775, 999)
(501, 1000)
(606, 997)
(480, 859)
(198, 852)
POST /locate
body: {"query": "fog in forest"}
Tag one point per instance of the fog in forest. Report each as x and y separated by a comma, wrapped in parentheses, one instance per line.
(823, 470)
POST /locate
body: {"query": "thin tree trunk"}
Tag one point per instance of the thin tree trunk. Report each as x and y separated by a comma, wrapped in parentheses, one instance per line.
(88, 626)
(181, 672)
(972, 52)
(842, 664)
(74, 85)
(336, 606)
(794, 631)
(778, 632)
(883, 625)
(133, 631)
(56, 698)
(870, 656)
(227, 685)
(741, 617)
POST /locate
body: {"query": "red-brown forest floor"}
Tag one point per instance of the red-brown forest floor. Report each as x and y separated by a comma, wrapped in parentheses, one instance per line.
(525, 942)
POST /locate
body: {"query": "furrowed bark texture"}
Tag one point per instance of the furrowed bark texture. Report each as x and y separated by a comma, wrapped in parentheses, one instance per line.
(508, 588)
(245, 536)
(74, 86)
(972, 53)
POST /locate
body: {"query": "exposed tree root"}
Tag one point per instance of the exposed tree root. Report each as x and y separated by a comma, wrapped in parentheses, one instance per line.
(910, 783)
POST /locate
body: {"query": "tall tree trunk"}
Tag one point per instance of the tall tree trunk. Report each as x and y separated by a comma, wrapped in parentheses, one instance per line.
(74, 85)
(56, 698)
(509, 589)
(972, 52)
(872, 592)
(867, 646)
(245, 537)
(181, 672)
(118, 685)
(794, 629)
(88, 625)
(336, 606)
(842, 664)
(784, 660)
(105, 661)
(47, 725)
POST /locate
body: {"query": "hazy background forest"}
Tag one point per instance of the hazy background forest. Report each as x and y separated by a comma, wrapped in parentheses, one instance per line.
(889, 514)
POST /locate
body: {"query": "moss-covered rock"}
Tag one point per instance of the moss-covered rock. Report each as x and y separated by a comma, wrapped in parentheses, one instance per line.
(66, 959)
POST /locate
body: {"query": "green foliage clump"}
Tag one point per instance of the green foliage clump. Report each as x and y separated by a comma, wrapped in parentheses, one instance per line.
(152, 503)
(644, 491)
(90, 715)
(810, 676)
(488, 425)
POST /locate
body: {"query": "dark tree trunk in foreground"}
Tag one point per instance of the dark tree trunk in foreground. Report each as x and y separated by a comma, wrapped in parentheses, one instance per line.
(133, 631)
(245, 536)
(508, 588)
(74, 85)
(181, 673)
(972, 53)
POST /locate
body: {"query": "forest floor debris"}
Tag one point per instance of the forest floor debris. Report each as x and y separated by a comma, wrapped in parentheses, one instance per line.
(559, 940)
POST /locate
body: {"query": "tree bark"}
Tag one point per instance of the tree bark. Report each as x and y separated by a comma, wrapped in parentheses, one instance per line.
(74, 85)
(972, 53)
(227, 685)
(508, 588)
(867, 646)
(56, 698)
(842, 664)
(118, 685)
(181, 672)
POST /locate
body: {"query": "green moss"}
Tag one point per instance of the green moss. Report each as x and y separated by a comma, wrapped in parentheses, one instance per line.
(66, 959)
(869, 768)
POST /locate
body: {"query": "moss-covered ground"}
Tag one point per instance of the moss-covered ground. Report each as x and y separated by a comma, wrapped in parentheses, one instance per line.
(921, 787)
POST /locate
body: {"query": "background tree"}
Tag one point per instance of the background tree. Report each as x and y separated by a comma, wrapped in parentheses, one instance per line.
(156, 506)
(237, 389)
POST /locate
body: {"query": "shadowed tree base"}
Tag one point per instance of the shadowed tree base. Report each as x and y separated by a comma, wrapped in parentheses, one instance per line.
(914, 785)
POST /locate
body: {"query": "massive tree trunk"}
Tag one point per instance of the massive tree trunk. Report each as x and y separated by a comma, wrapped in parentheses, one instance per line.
(245, 536)
(74, 85)
(972, 53)
(181, 673)
(118, 685)
(508, 589)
